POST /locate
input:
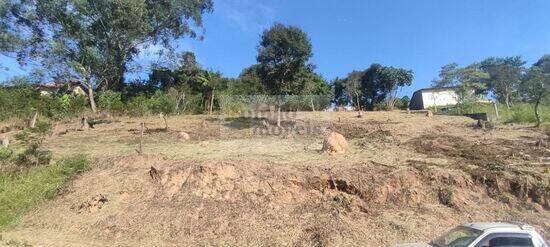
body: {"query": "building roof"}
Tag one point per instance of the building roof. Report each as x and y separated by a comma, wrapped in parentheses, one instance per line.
(436, 89)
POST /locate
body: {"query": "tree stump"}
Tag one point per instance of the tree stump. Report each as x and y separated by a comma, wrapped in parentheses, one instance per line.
(6, 142)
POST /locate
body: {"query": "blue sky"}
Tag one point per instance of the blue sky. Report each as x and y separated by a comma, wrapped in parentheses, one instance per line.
(421, 35)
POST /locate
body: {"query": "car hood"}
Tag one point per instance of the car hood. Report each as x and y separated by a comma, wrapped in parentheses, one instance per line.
(413, 245)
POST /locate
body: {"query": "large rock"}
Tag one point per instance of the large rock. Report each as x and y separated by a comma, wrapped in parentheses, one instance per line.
(335, 143)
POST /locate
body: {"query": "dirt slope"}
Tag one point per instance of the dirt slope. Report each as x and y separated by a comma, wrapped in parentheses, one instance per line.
(405, 179)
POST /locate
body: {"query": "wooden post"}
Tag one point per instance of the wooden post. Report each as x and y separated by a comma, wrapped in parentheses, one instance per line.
(140, 151)
(163, 117)
(33, 120)
(496, 110)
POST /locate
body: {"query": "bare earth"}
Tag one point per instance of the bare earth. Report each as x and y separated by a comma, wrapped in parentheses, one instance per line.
(406, 178)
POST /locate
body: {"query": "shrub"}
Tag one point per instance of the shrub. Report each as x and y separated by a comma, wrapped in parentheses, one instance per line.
(77, 105)
(162, 102)
(139, 106)
(6, 155)
(193, 104)
(19, 101)
(33, 155)
(110, 101)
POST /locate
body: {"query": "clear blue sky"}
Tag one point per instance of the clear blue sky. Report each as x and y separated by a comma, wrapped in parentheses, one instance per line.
(421, 35)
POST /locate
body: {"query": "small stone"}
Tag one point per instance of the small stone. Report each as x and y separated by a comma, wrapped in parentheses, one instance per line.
(183, 136)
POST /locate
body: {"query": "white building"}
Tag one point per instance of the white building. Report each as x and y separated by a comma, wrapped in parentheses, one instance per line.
(430, 97)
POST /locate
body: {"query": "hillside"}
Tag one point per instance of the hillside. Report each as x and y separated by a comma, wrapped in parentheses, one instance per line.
(406, 178)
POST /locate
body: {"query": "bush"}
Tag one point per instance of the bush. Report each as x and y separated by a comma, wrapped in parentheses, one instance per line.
(139, 106)
(24, 191)
(162, 102)
(33, 155)
(110, 101)
(20, 101)
(6, 155)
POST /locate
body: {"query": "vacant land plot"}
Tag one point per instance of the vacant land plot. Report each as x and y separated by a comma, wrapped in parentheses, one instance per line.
(242, 182)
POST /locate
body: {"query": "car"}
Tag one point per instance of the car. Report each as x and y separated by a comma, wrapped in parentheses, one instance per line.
(487, 234)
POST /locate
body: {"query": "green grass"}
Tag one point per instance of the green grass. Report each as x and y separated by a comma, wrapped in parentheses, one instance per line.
(518, 113)
(23, 191)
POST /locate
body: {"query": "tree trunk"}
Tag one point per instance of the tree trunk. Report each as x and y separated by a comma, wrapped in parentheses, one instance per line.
(358, 105)
(181, 98)
(91, 98)
(211, 101)
(537, 114)
(507, 100)
(312, 105)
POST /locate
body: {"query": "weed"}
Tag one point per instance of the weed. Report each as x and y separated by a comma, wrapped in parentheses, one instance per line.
(445, 196)
(20, 192)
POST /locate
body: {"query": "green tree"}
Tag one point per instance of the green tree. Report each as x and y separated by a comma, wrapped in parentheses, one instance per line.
(544, 63)
(340, 96)
(505, 77)
(210, 81)
(535, 87)
(353, 88)
(448, 76)
(381, 83)
(249, 82)
(313, 88)
(283, 52)
(96, 40)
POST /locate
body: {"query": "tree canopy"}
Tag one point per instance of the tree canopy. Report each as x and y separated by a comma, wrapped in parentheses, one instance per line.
(95, 40)
(535, 86)
(283, 53)
(380, 84)
(504, 76)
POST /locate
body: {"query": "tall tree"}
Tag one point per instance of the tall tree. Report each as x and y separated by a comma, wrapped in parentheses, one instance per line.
(381, 83)
(283, 52)
(249, 82)
(210, 82)
(353, 88)
(313, 87)
(544, 63)
(97, 39)
(340, 96)
(535, 87)
(505, 77)
(448, 76)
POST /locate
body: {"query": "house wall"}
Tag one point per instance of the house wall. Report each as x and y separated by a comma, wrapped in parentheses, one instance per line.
(439, 98)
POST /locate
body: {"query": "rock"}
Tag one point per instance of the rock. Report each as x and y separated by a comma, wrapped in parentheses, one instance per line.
(429, 114)
(335, 143)
(93, 205)
(6, 142)
(183, 136)
(204, 144)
